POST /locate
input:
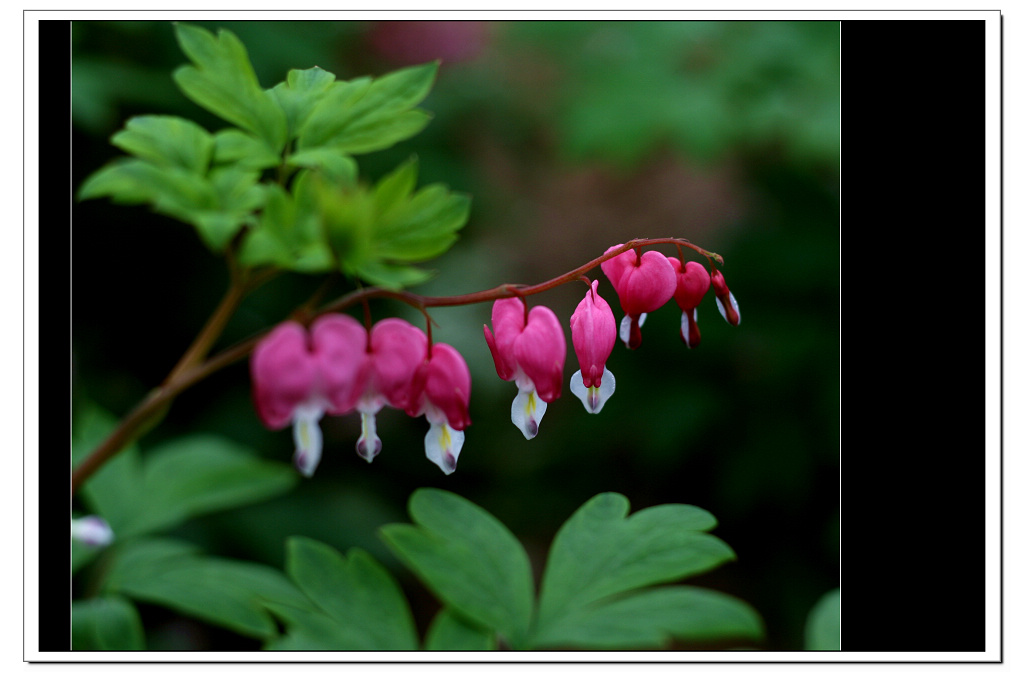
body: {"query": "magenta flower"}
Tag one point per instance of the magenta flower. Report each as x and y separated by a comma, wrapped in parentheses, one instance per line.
(727, 304)
(644, 283)
(530, 350)
(440, 390)
(388, 365)
(593, 337)
(692, 282)
(298, 376)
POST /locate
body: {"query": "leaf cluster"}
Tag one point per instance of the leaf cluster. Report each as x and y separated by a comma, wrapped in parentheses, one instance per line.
(281, 184)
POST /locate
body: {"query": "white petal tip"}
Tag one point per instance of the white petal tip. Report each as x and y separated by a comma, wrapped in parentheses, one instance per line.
(594, 397)
(443, 445)
(527, 411)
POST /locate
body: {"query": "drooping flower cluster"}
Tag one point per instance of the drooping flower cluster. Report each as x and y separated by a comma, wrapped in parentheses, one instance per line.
(338, 367)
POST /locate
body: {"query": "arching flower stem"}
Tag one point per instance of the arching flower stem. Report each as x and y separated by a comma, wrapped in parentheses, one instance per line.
(194, 366)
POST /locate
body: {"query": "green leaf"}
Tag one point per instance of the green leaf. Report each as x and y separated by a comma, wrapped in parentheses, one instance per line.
(199, 474)
(288, 234)
(359, 606)
(222, 81)
(823, 630)
(250, 153)
(600, 552)
(167, 140)
(108, 623)
(469, 560)
(171, 190)
(422, 227)
(391, 276)
(650, 618)
(227, 593)
(112, 492)
(449, 632)
(187, 477)
(334, 164)
(301, 91)
(362, 115)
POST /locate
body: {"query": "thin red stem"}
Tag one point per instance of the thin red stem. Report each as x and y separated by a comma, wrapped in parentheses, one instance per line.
(190, 370)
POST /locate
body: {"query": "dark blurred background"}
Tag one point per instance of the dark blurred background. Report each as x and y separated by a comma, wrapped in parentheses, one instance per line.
(571, 137)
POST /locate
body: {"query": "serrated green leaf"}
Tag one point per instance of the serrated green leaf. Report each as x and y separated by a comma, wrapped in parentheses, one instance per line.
(362, 116)
(228, 593)
(600, 552)
(167, 140)
(650, 618)
(107, 623)
(250, 153)
(423, 227)
(468, 559)
(297, 96)
(171, 190)
(222, 81)
(823, 630)
(287, 235)
(360, 604)
(449, 632)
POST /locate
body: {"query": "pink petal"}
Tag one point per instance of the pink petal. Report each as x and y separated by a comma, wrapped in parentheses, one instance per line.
(540, 352)
(284, 374)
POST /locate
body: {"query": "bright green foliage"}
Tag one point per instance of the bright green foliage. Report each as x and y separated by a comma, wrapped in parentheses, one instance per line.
(469, 560)
(177, 480)
(589, 597)
(600, 552)
(601, 556)
(222, 81)
(366, 115)
(232, 594)
(824, 624)
(356, 604)
(286, 176)
(107, 623)
(167, 141)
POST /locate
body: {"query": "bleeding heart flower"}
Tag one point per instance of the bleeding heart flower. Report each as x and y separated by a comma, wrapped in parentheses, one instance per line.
(298, 376)
(692, 282)
(530, 350)
(440, 391)
(644, 283)
(727, 304)
(593, 337)
(388, 366)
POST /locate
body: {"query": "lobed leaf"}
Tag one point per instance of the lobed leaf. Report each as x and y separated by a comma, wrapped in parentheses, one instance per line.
(474, 565)
(366, 115)
(181, 478)
(600, 552)
(358, 604)
(651, 618)
(299, 94)
(231, 594)
(223, 82)
(167, 140)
